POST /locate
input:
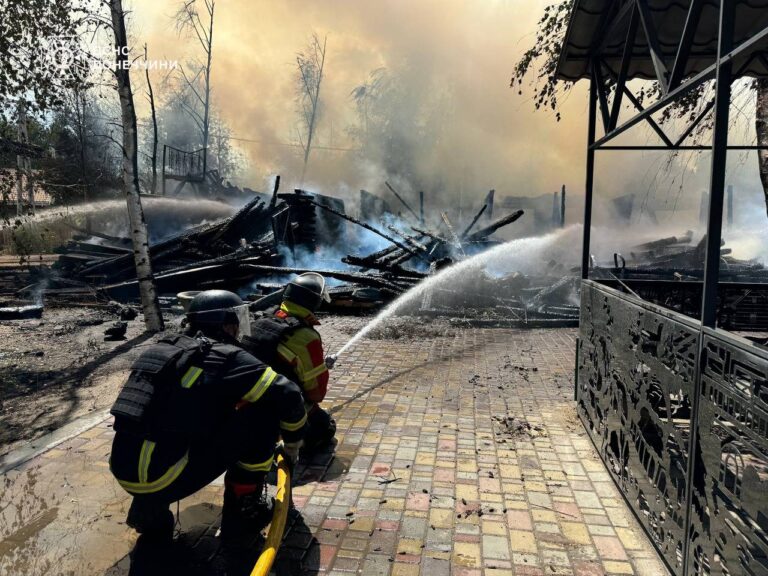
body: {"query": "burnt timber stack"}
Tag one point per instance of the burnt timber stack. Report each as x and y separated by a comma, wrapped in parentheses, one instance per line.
(256, 251)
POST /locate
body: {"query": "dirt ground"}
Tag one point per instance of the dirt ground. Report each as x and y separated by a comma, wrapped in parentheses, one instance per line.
(61, 367)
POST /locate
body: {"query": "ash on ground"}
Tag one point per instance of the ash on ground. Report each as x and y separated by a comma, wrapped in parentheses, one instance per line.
(406, 328)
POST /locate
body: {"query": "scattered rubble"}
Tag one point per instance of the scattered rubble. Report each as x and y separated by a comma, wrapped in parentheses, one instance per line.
(669, 272)
(512, 428)
(258, 248)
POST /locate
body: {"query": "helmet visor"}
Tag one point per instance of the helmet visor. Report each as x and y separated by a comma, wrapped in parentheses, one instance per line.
(225, 316)
(244, 320)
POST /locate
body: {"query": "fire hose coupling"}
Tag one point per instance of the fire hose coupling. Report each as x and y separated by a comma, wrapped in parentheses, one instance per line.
(330, 361)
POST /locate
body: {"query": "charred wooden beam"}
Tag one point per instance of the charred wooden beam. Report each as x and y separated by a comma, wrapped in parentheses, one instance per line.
(669, 241)
(411, 240)
(429, 234)
(474, 220)
(500, 223)
(251, 209)
(275, 190)
(385, 267)
(403, 202)
(367, 227)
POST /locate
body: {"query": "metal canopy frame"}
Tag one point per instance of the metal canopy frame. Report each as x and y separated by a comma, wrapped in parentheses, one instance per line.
(634, 17)
(604, 80)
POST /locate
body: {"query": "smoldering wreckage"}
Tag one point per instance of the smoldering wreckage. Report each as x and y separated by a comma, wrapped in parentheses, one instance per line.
(267, 241)
(273, 236)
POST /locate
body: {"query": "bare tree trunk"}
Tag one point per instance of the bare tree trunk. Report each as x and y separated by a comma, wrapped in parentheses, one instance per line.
(21, 161)
(149, 301)
(30, 184)
(80, 116)
(154, 126)
(19, 185)
(206, 113)
(315, 99)
(761, 125)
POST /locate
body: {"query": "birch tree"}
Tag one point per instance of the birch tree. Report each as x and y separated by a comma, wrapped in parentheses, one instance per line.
(137, 223)
(151, 98)
(196, 82)
(309, 67)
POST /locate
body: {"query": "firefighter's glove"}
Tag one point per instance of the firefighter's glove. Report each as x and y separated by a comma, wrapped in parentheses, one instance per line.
(330, 362)
(290, 452)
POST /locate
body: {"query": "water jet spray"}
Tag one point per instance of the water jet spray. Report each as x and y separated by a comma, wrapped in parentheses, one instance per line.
(512, 255)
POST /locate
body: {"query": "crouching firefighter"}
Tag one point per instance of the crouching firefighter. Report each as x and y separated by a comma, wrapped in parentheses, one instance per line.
(285, 338)
(196, 405)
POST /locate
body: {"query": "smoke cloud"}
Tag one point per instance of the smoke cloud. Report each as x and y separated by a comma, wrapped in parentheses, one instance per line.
(452, 126)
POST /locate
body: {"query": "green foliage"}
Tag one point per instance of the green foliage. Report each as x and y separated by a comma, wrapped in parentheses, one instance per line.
(541, 59)
(539, 64)
(35, 68)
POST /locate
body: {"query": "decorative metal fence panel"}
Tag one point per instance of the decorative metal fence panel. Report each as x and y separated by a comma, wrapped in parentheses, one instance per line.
(636, 390)
(729, 515)
(635, 394)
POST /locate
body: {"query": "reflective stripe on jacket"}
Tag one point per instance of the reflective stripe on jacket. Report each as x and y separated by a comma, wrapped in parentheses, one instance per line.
(303, 351)
(145, 465)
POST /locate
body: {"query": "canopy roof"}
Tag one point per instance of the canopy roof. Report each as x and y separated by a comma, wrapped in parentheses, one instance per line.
(589, 27)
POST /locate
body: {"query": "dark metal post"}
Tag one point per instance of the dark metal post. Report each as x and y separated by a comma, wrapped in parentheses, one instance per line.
(165, 148)
(489, 202)
(555, 211)
(714, 230)
(719, 157)
(562, 207)
(590, 173)
(421, 207)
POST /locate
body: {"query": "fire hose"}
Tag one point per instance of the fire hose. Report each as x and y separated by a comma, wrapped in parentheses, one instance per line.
(279, 518)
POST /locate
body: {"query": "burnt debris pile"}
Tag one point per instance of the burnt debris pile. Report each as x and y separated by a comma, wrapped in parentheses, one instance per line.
(371, 260)
(669, 272)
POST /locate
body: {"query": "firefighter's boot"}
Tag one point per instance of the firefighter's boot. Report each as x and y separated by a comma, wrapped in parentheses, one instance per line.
(321, 429)
(153, 521)
(247, 511)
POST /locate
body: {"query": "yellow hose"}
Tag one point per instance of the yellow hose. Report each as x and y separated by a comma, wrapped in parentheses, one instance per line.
(279, 518)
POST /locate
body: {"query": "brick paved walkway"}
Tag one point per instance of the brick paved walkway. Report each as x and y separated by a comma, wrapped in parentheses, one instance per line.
(458, 454)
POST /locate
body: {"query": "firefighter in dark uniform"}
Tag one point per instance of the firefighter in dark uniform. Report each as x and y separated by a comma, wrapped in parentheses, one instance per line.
(285, 338)
(195, 406)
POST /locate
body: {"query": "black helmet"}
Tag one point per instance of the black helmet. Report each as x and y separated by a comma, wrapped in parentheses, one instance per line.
(212, 309)
(307, 290)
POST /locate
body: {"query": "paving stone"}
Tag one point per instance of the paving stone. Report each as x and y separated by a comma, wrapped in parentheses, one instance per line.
(407, 414)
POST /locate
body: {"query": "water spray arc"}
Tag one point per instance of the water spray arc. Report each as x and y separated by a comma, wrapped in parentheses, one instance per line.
(505, 255)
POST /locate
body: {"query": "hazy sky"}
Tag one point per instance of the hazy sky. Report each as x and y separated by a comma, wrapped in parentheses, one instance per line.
(466, 48)
(460, 52)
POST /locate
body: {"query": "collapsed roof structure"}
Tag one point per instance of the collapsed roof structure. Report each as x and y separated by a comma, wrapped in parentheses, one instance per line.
(272, 237)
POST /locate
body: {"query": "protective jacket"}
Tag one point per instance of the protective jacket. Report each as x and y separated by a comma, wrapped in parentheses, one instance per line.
(183, 389)
(285, 339)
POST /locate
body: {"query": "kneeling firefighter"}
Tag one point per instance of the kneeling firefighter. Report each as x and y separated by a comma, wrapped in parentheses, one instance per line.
(197, 405)
(285, 338)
